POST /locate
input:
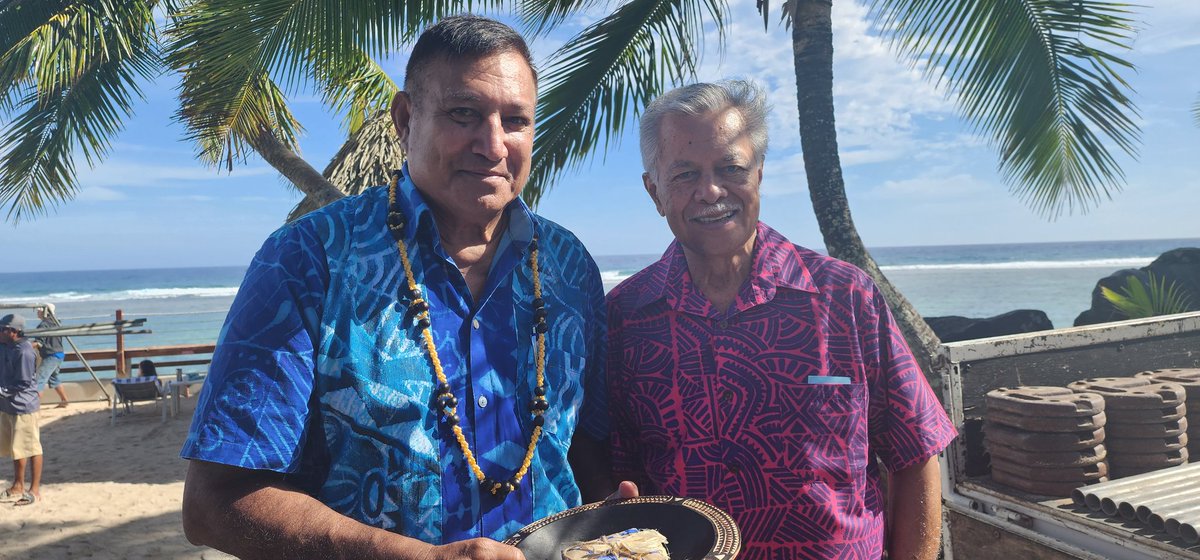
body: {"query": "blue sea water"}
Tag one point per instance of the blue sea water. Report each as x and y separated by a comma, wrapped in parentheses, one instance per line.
(188, 305)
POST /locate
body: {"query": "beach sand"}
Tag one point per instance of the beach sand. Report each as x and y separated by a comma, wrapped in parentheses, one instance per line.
(107, 491)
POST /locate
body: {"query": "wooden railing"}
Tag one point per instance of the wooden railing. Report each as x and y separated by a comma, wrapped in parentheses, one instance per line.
(166, 359)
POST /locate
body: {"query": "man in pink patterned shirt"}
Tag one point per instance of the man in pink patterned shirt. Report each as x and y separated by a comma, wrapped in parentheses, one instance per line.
(756, 374)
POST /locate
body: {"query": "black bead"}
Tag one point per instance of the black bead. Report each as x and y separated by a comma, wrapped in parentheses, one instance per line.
(540, 328)
(420, 306)
(395, 219)
(443, 387)
(539, 405)
(539, 303)
(423, 323)
(487, 484)
(539, 391)
(539, 313)
(533, 244)
(452, 419)
(414, 294)
(507, 488)
(539, 420)
(447, 401)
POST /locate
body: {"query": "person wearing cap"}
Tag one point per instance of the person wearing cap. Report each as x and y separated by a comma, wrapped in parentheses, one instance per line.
(20, 437)
(51, 349)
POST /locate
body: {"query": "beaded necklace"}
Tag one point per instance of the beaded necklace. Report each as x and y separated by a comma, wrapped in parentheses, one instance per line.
(445, 399)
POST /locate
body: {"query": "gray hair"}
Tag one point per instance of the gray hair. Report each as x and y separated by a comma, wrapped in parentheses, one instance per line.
(703, 99)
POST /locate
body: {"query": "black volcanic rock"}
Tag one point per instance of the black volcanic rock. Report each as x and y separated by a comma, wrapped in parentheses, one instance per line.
(953, 328)
(1180, 266)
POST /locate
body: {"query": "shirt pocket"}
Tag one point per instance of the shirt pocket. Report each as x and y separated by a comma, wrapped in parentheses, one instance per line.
(821, 433)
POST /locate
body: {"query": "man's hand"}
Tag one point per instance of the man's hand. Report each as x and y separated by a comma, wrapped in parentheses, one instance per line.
(626, 489)
(474, 549)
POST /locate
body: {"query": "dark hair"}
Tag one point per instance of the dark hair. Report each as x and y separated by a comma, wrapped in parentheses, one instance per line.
(147, 368)
(462, 36)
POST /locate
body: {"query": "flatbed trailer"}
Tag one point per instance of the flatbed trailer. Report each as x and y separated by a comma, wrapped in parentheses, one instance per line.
(985, 520)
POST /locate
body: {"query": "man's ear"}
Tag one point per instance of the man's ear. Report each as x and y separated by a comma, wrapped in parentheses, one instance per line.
(652, 190)
(401, 115)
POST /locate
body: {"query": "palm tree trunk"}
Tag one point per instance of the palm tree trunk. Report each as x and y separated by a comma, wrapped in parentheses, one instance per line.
(310, 182)
(812, 48)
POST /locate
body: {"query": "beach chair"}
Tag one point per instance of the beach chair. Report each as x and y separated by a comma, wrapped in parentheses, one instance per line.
(136, 389)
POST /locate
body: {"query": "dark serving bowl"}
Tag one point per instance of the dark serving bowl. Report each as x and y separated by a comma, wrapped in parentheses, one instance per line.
(695, 530)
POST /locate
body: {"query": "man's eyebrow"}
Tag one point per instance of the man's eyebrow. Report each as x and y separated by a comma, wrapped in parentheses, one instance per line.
(680, 164)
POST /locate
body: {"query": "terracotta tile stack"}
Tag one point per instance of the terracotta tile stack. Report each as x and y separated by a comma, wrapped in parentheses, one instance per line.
(1190, 379)
(1045, 440)
(1147, 426)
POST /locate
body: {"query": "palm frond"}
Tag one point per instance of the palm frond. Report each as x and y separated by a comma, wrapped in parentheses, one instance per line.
(1154, 297)
(229, 50)
(540, 16)
(594, 84)
(72, 82)
(358, 88)
(1040, 78)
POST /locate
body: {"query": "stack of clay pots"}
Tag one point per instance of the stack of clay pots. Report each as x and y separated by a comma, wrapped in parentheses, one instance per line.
(1045, 440)
(1147, 426)
(1190, 380)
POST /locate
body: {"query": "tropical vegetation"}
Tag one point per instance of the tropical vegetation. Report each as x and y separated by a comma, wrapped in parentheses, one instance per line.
(1041, 78)
(1152, 297)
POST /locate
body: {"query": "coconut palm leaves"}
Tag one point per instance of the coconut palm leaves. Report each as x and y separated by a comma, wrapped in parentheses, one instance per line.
(1154, 297)
(608, 72)
(69, 74)
(1040, 78)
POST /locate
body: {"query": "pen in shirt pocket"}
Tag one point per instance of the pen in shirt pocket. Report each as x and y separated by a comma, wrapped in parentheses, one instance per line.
(828, 380)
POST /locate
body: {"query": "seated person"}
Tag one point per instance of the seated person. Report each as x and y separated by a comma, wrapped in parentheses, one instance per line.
(146, 369)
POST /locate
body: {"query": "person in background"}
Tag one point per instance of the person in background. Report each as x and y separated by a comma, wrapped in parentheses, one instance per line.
(146, 369)
(51, 350)
(403, 371)
(760, 376)
(20, 436)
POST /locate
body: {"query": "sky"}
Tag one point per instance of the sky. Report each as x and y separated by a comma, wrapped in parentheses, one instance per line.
(915, 172)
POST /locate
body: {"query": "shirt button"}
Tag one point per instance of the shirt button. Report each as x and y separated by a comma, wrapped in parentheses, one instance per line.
(733, 469)
(723, 324)
(475, 323)
(482, 401)
(726, 396)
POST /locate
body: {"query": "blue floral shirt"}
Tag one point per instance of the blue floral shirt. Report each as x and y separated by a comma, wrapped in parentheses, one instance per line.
(320, 373)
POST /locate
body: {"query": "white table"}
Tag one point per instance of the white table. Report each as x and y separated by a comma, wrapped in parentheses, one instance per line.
(176, 387)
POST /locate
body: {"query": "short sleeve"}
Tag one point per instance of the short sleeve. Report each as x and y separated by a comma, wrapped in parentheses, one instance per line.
(254, 407)
(907, 422)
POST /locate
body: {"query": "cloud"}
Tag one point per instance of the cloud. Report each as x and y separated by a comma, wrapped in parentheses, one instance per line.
(125, 173)
(98, 194)
(1167, 26)
(938, 184)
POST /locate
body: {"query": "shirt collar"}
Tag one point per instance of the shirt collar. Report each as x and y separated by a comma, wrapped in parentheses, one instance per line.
(416, 211)
(775, 263)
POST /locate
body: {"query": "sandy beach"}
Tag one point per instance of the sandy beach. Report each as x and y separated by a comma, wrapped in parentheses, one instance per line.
(107, 491)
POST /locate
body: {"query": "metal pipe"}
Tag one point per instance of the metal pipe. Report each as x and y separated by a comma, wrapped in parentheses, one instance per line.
(1093, 495)
(1166, 520)
(1128, 504)
(1186, 525)
(1107, 501)
(1165, 505)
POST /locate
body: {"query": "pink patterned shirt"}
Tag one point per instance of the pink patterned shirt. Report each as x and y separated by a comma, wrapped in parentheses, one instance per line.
(774, 411)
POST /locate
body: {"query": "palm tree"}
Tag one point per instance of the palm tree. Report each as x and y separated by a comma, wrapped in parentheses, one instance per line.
(1037, 76)
(69, 74)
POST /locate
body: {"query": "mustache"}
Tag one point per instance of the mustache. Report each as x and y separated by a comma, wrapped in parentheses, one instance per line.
(719, 209)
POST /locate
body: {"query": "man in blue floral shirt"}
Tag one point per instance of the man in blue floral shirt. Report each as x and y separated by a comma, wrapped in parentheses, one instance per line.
(403, 371)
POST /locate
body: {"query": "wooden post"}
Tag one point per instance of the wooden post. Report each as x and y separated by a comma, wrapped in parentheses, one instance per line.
(120, 365)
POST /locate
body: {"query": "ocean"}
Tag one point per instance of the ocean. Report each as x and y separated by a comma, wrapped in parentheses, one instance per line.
(188, 305)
